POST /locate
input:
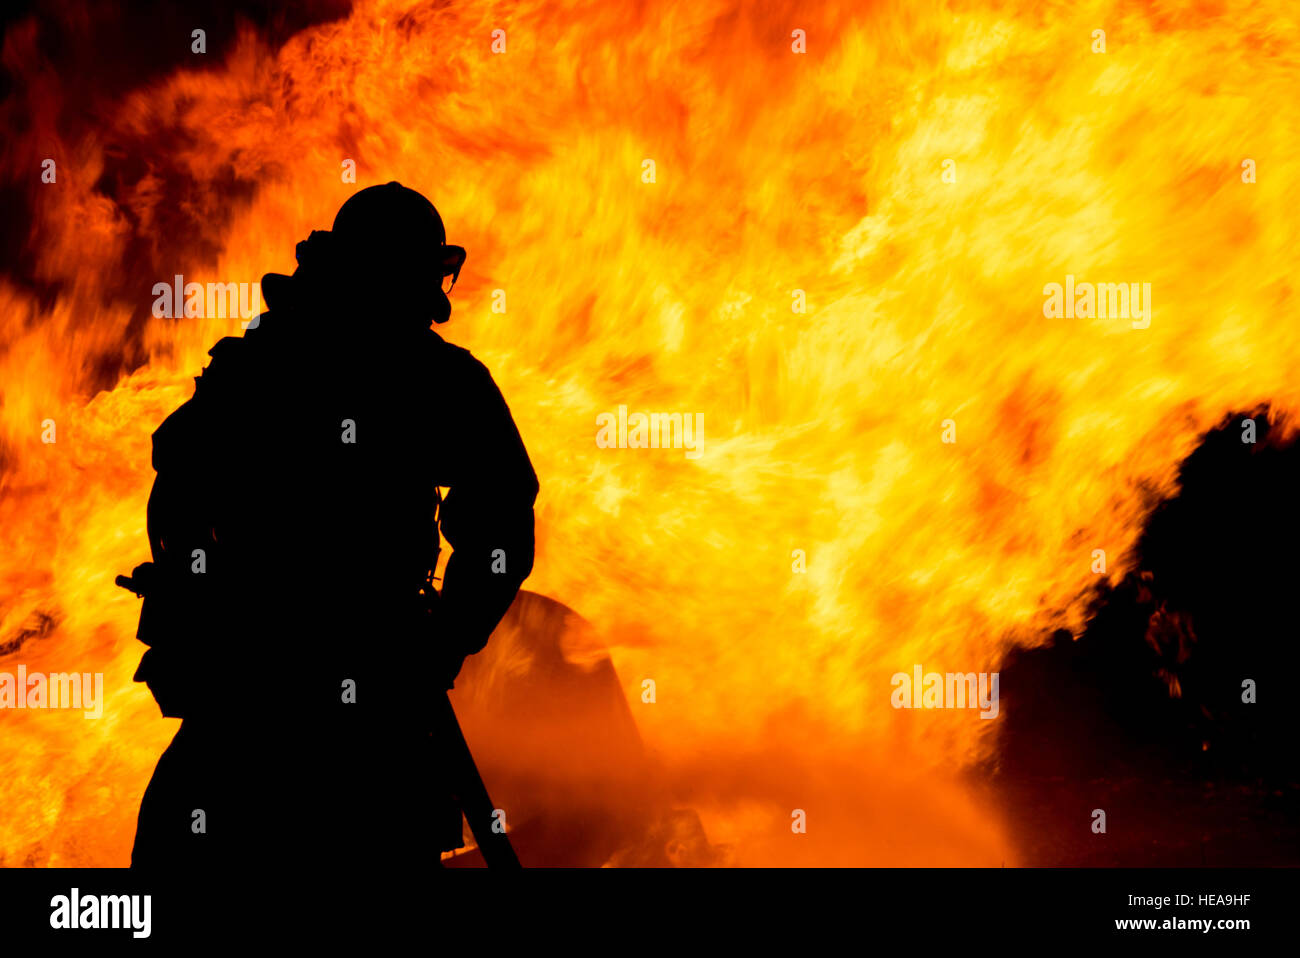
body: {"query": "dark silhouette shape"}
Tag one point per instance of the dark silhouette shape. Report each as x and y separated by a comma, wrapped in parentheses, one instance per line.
(1144, 715)
(290, 608)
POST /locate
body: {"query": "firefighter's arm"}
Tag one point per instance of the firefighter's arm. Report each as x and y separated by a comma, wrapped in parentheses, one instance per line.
(487, 517)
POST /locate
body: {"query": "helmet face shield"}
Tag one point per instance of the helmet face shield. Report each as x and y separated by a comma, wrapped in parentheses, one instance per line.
(453, 258)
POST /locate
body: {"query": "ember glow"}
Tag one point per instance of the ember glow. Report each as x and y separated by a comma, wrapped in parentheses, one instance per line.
(774, 172)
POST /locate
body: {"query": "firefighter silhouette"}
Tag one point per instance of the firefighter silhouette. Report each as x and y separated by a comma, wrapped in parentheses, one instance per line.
(290, 608)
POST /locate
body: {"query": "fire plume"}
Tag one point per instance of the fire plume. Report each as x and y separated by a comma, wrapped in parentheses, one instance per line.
(775, 171)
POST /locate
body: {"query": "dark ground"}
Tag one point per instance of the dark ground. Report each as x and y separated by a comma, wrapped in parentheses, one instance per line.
(1154, 824)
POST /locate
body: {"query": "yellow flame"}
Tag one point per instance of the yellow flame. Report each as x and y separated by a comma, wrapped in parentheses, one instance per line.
(775, 171)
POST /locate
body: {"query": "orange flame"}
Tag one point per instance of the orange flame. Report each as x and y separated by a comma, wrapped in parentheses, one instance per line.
(774, 171)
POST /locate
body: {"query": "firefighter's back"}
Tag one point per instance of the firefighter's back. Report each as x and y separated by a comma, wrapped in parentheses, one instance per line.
(318, 463)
